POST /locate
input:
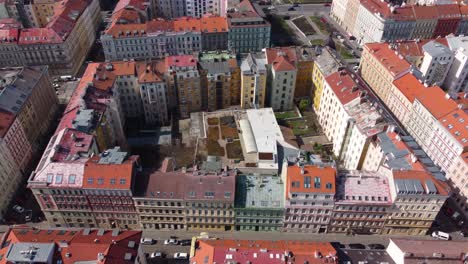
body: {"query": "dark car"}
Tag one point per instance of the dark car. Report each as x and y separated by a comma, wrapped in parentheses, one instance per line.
(357, 246)
(291, 9)
(337, 245)
(185, 242)
(295, 5)
(326, 4)
(376, 246)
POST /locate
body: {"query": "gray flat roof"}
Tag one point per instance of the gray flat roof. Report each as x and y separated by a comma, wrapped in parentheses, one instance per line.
(259, 192)
(30, 252)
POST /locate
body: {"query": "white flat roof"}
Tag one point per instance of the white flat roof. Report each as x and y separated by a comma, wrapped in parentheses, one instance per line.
(265, 129)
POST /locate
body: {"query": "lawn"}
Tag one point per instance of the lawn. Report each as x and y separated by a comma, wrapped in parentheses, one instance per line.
(320, 42)
(321, 25)
(213, 121)
(344, 52)
(304, 26)
(234, 150)
(213, 133)
(285, 115)
(300, 127)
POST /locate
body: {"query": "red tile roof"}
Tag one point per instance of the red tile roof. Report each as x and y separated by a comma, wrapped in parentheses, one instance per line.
(113, 176)
(219, 187)
(409, 86)
(436, 102)
(73, 142)
(448, 11)
(343, 86)
(213, 24)
(9, 35)
(263, 252)
(6, 119)
(72, 246)
(181, 61)
(425, 12)
(148, 72)
(456, 123)
(295, 181)
(282, 59)
(392, 61)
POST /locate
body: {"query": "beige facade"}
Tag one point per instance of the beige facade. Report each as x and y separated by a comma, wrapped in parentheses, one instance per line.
(10, 177)
(458, 179)
(43, 11)
(253, 81)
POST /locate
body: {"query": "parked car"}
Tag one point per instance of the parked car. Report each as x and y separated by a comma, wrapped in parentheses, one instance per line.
(357, 246)
(157, 254)
(146, 241)
(28, 216)
(56, 85)
(440, 235)
(18, 209)
(271, 7)
(185, 242)
(291, 9)
(171, 241)
(295, 5)
(180, 255)
(376, 246)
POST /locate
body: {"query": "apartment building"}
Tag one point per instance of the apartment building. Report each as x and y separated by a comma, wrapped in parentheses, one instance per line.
(308, 207)
(253, 81)
(463, 26)
(248, 31)
(436, 62)
(184, 82)
(48, 246)
(209, 200)
(348, 119)
(259, 203)
(162, 206)
(449, 18)
(27, 94)
(184, 35)
(215, 33)
(362, 203)
(426, 18)
(282, 73)
(262, 251)
(417, 198)
(216, 79)
(62, 45)
(198, 8)
(457, 77)
(43, 11)
(324, 65)
(380, 66)
(457, 179)
(168, 9)
(428, 108)
(305, 66)
(10, 175)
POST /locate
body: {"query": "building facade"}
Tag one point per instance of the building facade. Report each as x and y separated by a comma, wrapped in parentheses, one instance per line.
(253, 81)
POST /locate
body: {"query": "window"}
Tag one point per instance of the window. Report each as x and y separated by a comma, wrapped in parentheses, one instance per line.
(90, 180)
(58, 179)
(209, 194)
(227, 195)
(123, 181)
(328, 185)
(112, 181)
(100, 181)
(50, 178)
(71, 179)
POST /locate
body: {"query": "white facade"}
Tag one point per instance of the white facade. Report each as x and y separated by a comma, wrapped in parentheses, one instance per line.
(421, 125)
(283, 84)
(168, 8)
(436, 63)
(457, 77)
(198, 8)
(369, 26)
(457, 174)
(338, 10)
(154, 98)
(129, 95)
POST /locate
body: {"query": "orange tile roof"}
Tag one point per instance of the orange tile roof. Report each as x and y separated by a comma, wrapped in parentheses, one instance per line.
(263, 251)
(183, 24)
(282, 59)
(295, 179)
(213, 24)
(448, 11)
(181, 60)
(464, 11)
(147, 72)
(343, 86)
(401, 145)
(436, 102)
(124, 30)
(456, 123)
(425, 12)
(111, 174)
(120, 68)
(409, 86)
(422, 176)
(390, 59)
(79, 247)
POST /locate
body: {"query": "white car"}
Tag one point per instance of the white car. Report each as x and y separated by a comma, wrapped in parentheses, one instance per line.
(171, 241)
(146, 241)
(441, 235)
(18, 209)
(180, 255)
(271, 7)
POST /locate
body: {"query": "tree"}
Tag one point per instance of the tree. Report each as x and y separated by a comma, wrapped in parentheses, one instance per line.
(303, 104)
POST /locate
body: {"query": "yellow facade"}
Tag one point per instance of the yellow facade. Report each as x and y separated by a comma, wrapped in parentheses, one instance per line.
(250, 83)
(318, 81)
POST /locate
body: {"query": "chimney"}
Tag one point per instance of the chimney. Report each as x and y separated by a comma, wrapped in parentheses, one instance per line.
(302, 170)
